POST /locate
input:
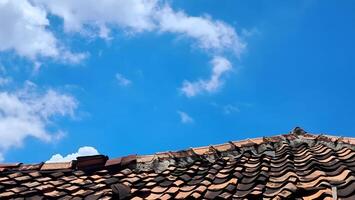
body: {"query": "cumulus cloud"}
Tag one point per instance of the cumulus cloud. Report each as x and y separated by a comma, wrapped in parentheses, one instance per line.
(82, 151)
(122, 81)
(220, 66)
(28, 112)
(87, 16)
(209, 34)
(185, 118)
(24, 30)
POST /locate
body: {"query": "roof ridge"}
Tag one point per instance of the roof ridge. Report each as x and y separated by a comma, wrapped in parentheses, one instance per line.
(97, 162)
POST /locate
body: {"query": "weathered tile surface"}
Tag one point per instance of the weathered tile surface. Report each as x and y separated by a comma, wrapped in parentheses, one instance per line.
(291, 166)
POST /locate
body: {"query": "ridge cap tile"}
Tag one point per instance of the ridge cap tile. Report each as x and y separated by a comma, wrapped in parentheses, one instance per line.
(91, 162)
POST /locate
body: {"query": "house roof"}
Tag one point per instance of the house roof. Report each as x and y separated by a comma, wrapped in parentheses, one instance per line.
(294, 165)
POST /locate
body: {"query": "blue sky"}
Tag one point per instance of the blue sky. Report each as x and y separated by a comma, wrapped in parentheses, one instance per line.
(118, 82)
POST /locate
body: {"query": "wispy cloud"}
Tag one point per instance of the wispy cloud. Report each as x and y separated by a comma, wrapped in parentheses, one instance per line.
(229, 109)
(185, 118)
(5, 80)
(220, 66)
(82, 151)
(28, 112)
(123, 81)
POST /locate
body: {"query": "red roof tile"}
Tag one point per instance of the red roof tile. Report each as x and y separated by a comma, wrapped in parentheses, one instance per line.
(295, 165)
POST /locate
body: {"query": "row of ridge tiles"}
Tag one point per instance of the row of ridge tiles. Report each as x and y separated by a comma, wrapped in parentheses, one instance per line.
(98, 161)
(316, 172)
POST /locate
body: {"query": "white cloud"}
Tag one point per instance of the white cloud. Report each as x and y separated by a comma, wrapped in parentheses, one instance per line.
(24, 30)
(82, 151)
(185, 118)
(29, 113)
(26, 26)
(210, 34)
(220, 66)
(91, 17)
(228, 109)
(123, 81)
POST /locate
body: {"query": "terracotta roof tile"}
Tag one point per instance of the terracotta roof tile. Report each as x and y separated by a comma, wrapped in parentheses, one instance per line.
(289, 166)
(57, 166)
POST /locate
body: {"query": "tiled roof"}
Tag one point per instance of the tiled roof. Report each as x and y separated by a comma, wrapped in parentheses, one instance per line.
(297, 165)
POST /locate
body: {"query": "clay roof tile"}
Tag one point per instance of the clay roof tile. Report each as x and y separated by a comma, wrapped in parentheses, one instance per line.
(303, 165)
